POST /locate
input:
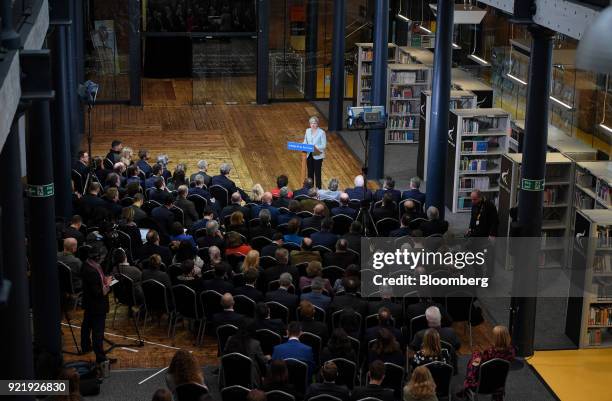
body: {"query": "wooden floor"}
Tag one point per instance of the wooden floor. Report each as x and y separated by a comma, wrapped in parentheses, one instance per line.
(251, 138)
(576, 375)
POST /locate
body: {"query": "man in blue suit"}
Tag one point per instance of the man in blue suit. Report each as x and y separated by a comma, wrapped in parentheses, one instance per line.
(388, 187)
(344, 207)
(228, 184)
(359, 192)
(414, 193)
(325, 237)
(293, 348)
(266, 203)
(315, 296)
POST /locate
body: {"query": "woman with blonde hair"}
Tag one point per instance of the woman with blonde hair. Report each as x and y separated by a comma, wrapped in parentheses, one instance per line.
(256, 193)
(126, 156)
(251, 261)
(183, 369)
(431, 350)
(421, 386)
(502, 348)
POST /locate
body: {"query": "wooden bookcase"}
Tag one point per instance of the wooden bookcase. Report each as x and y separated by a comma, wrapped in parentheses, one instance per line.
(363, 83)
(593, 187)
(589, 315)
(477, 140)
(458, 100)
(405, 83)
(558, 184)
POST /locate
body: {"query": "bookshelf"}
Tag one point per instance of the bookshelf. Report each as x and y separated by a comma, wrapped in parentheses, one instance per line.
(463, 80)
(593, 186)
(363, 84)
(458, 100)
(589, 315)
(414, 55)
(557, 141)
(477, 140)
(558, 182)
(405, 83)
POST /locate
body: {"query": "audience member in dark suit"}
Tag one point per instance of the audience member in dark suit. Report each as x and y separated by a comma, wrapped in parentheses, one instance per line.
(143, 164)
(410, 208)
(152, 272)
(139, 214)
(228, 316)
(293, 348)
(434, 321)
(248, 289)
(235, 206)
(152, 247)
(434, 225)
(305, 254)
(349, 299)
(386, 301)
(386, 348)
(213, 237)
(282, 295)
(294, 208)
(202, 169)
(359, 192)
(374, 388)
(81, 165)
(190, 215)
(385, 209)
(243, 342)
(159, 192)
(92, 203)
(226, 183)
(270, 250)
(278, 379)
(263, 321)
(163, 216)
(329, 372)
(218, 283)
(111, 198)
(353, 237)
(67, 257)
(325, 237)
(307, 313)
(283, 199)
(316, 293)
(315, 220)
(404, 227)
(264, 229)
(344, 207)
(414, 192)
(388, 188)
(384, 321)
(308, 184)
(274, 272)
(74, 230)
(339, 346)
(266, 204)
(198, 188)
(156, 174)
(342, 257)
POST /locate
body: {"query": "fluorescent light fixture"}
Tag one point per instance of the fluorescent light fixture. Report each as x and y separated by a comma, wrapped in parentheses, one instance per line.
(456, 46)
(516, 79)
(560, 103)
(479, 60)
(403, 18)
(422, 28)
(606, 127)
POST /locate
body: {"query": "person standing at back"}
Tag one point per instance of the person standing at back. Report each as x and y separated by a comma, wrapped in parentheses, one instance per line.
(314, 160)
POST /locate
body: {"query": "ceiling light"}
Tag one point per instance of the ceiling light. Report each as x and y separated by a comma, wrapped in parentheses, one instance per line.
(479, 60)
(427, 31)
(560, 103)
(606, 127)
(516, 79)
(403, 18)
(456, 46)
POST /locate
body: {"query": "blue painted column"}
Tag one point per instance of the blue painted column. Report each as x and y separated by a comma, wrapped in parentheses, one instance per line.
(531, 200)
(263, 50)
(376, 144)
(336, 91)
(312, 19)
(436, 160)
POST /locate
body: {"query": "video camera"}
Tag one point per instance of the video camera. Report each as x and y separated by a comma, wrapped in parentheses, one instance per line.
(88, 92)
(366, 117)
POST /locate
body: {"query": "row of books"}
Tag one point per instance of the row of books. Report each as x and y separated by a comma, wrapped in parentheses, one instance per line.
(473, 125)
(403, 107)
(403, 122)
(604, 191)
(583, 201)
(552, 195)
(406, 136)
(476, 165)
(602, 263)
(366, 68)
(604, 237)
(474, 182)
(367, 55)
(475, 146)
(405, 93)
(585, 179)
(600, 315)
(595, 336)
(408, 77)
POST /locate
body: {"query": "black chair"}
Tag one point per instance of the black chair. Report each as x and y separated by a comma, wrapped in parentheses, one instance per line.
(347, 372)
(356, 345)
(254, 222)
(187, 308)
(158, 301)
(67, 285)
(315, 342)
(224, 332)
(125, 242)
(238, 367)
(291, 246)
(298, 374)
(417, 324)
(301, 268)
(452, 353)
(204, 255)
(386, 225)
(332, 273)
(190, 391)
(331, 203)
(306, 232)
(394, 379)
(235, 259)
(200, 203)
(79, 183)
(492, 377)
(278, 311)
(268, 340)
(260, 242)
(322, 249)
(244, 305)
(234, 393)
(220, 194)
(409, 298)
(319, 316)
(127, 201)
(304, 213)
(278, 395)
(275, 284)
(108, 163)
(283, 228)
(372, 320)
(210, 301)
(342, 223)
(208, 274)
(148, 206)
(459, 305)
(442, 374)
(238, 280)
(325, 397)
(124, 292)
(267, 261)
(283, 210)
(336, 316)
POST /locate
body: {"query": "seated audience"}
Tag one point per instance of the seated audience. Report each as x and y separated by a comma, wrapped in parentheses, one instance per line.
(281, 181)
(177, 234)
(421, 386)
(374, 389)
(282, 294)
(354, 236)
(153, 271)
(243, 342)
(293, 228)
(263, 321)
(387, 208)
(318, 214)
(305, 254)
(202, 170)
(316, 295)
(433, 225)
(293, 348)
(74, 230)
(213, 236)
(278, 379)
(190, 214)
(359, 192)
(434, 321)
(341, 257)
(236, 245)
(329, 374)
(325, 237)
(431, 350)
(264, 228)
(386, 348)
(388, 188)
(273, 273)
(414, 193)
(314, 270)
(228, 315)
(339, 346)
(294, 208)
(184, 368)
(384, 322)
(218, 283)
(238, 225)
(308, 184)
(248, 289)
(282, 200)
(331, 192)
(309, 325)
(344, 207)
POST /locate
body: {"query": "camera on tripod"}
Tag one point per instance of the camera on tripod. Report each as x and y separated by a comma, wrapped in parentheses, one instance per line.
(88, 92)
(366, 117)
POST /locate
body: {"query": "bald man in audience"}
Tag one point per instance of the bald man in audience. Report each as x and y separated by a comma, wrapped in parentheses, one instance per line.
(228, 316)
(315, 220)
(344, 207)
(266, 204)
(67, 257)
(305, 254)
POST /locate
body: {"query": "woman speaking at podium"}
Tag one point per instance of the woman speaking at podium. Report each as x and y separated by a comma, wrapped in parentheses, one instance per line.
(314, 160)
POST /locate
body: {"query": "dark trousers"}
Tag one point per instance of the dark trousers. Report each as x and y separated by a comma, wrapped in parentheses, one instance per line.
(314, 170)
(93, 329)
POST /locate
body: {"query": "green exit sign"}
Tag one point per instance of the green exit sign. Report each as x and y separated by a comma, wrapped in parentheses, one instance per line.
(40, 191)
(532, 185)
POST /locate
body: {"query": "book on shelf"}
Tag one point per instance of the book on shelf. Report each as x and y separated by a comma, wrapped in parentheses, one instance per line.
(600, 315)
(604, 237)
(475, 124)
(405, 93)
(403, 77)
(551, 196)
(407, 136)
(595, 337)
(402, 122)
(602, 263)
(474, 183)
(476, 165)
(583, 201)
(584, 179)
(475, 146)
(403, 107)
(603, 191)
(366, 68)
(367, 54)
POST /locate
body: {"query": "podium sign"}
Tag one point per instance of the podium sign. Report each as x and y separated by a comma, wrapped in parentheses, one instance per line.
(300, 147)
